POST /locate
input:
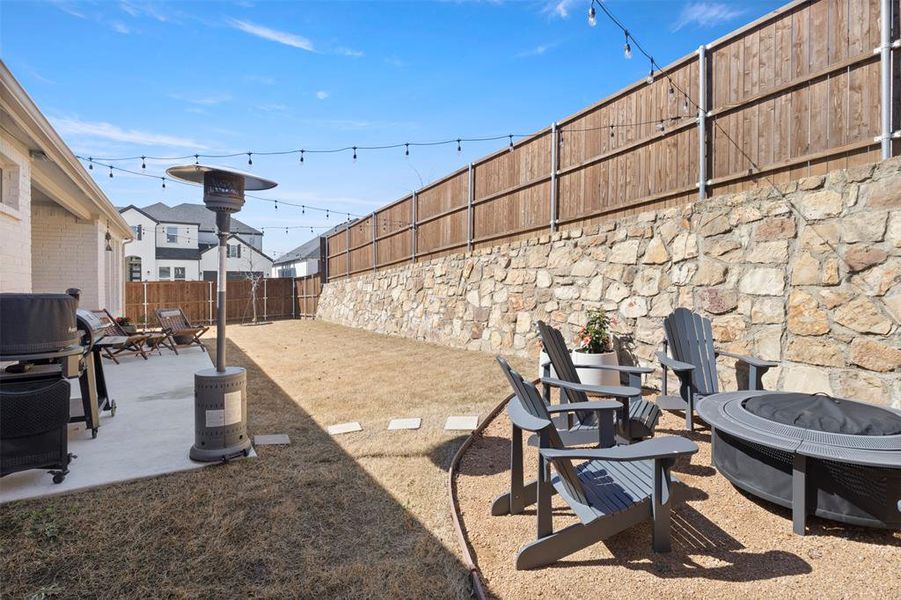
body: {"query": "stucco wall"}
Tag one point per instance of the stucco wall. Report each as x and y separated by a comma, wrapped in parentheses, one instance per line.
(811, 278)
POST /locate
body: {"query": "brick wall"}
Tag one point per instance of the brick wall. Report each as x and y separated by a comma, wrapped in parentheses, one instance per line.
(15, 219)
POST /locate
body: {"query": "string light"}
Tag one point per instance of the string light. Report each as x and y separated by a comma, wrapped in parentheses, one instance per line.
(627, 49)
(650, 78)
(611, 132)
(355, 153)
(110, 172)
(660, 126)
(511, 143)
(459, 147)
(592, 15)
(276, 205)
(143, 163)
(90, 164)
(196, 159)
(250, 158)
(406, 149)
(164, 182)
(301, 156)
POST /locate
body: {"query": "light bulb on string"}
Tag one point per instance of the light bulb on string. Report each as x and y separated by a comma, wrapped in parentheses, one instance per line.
(286, 231)
(301, 156)
(164, 182)
(311, 230)
(250, 158)
(685, 104)
(612, 135)
(406, 149)
(276, 205)
(326, 213)
(650, 78)
(592, 16)
(661, 126)
(90, 164)
(111, 172)
(355, 153)
(459, 147)
(672, 91)
(511, 142)
(627, 49)
(196, 159)
(303, 209)
(143, 162)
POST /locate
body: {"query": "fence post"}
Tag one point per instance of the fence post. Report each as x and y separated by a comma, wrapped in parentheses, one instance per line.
(374, 248)
(555, 137)
(265, 300)
(469, 222)
(294, 297)
(347, 250)
(885, 51)
(145, 305)
(702, 122)
(209, 295)
(413, 229)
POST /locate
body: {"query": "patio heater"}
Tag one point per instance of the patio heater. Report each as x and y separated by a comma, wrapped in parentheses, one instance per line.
(220, 394)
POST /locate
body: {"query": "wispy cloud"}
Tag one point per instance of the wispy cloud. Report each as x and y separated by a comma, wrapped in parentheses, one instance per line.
(272, 107)
(536, 51)
(560, 8)
(273, 35)
(207, 100)
(73, 126)
(144, 9)
(120, 27)
(343, 51)
(68, 8)
(322, 94)
(396, 62)
(706, 14)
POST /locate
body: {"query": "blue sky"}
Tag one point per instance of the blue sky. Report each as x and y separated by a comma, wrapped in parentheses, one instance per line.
(165, 78)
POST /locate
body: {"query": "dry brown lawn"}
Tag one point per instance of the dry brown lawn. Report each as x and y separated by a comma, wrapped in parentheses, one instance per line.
(360, 515)
(725, 544)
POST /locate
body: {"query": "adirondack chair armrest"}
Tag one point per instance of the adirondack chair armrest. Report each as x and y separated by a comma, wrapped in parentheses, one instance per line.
(620, 368)
(672, 363)
(591, 405)
(601, 390)
(663, 447)
(750, 360)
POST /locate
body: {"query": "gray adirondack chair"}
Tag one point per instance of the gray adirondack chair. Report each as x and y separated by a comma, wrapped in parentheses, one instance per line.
(689, 339)
(637, 418)
(613, 490)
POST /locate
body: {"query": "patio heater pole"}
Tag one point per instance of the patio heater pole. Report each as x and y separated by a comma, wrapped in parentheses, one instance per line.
(220, 394)
(885, 50)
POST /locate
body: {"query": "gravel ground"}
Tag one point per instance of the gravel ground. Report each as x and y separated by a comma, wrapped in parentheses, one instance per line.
(725, 544)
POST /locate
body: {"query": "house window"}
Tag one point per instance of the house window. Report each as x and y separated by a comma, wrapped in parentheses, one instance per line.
(171, 235)
(234, 250)
(165, 273)
(179, 272)
(134, 268)
(9, 185)
(138, 231)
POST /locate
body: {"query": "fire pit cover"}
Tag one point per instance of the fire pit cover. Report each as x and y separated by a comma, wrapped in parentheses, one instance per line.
(824, 413)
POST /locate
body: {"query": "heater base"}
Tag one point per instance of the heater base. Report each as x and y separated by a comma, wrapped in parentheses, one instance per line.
(220, 415)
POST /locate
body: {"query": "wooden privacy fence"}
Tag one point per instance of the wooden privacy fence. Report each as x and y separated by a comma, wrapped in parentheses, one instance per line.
(277, 298)
(794, 93)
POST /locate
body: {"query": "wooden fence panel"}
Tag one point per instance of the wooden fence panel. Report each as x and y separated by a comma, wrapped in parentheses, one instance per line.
(307, 290)
(792, 94)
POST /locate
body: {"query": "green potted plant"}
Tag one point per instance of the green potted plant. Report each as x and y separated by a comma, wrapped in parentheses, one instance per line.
(596, 349)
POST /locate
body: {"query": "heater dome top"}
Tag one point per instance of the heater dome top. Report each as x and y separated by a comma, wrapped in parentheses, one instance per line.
(194, 174)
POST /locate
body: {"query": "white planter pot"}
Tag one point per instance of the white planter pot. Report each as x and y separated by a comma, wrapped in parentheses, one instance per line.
(589, 376)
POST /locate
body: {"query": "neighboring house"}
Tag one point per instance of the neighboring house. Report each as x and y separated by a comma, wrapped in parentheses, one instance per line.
(179, 243)
(303, 260)
(58, 229)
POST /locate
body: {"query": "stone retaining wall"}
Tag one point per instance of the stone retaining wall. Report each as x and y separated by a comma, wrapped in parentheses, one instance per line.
(811, 279)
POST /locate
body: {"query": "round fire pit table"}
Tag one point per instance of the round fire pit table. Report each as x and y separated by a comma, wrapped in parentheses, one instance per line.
(836, 458)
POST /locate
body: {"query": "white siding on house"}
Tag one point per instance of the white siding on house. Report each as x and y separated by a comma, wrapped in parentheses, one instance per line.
(144, 248)
(15, 218)
(190, 267)
(250, 260)
(297, 268)
(185, 235)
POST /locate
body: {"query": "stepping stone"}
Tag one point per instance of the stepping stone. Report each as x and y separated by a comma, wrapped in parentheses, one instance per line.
(410, 423)
(462, 423)
(344, 428)
(271, 439)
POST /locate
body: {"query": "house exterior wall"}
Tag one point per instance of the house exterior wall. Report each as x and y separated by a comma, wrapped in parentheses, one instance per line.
(809, 277)
(70, 252)
(191, 268)
(145, 248)
(186, 236)
(250, 260)
(297, 268)
(15, 218)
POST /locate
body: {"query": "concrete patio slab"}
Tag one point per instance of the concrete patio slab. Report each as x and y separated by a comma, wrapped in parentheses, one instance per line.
(344, 428)
(271, 439)
(150, 435)
(408, 423)
(462, 423)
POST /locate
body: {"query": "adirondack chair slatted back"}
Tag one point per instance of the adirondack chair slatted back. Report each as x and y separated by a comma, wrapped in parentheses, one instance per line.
(555, 347)
(690, 340)
(172, 318)
(110, 327)
(529, 401)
